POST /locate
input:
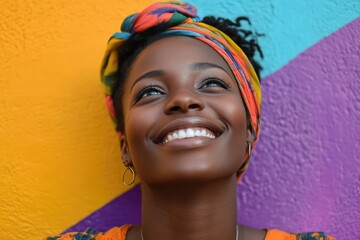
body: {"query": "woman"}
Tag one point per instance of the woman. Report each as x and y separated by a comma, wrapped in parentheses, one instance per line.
(186, 101)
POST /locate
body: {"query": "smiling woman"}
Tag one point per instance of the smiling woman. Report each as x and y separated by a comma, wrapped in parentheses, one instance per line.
(186, 101)
(187, 95)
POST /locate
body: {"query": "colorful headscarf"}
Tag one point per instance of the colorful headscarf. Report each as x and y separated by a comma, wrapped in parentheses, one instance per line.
(180, 19)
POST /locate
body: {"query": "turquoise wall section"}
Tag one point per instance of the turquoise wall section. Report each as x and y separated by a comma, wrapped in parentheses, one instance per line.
(290, 26)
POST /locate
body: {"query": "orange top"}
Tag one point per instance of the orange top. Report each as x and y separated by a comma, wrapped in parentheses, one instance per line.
(275, 234)
(119, 233)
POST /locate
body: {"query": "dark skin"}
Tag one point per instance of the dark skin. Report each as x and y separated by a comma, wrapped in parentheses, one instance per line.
(188, 185)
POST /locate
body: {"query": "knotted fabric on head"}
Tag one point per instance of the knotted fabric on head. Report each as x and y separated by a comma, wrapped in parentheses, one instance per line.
(180, 19)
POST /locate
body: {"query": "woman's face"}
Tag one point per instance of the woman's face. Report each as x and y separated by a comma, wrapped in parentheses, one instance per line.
(184, 117)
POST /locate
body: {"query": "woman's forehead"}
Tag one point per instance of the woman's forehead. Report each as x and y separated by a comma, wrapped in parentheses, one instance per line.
(175, 52)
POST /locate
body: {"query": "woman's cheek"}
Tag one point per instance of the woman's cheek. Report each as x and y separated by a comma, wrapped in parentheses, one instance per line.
(138, 123)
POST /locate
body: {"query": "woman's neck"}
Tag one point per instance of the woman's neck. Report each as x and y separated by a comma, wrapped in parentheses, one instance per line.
(190, 211)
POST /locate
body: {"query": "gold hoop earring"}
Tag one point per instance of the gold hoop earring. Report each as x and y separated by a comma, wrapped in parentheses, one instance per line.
(249, 149)
(132, 178)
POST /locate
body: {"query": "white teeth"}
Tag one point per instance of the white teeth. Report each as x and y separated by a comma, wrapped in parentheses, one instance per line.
(182, 134)
(169, 138)
(197, 133)
(188, 133)
(203, 132)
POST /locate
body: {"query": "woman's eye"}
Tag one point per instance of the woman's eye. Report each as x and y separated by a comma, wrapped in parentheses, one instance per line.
(214, 82)
(148, 92)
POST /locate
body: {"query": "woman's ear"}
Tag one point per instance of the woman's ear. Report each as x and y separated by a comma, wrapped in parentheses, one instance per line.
(125, 154)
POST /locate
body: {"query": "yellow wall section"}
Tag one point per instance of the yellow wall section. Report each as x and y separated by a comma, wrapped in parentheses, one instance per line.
(59, 156)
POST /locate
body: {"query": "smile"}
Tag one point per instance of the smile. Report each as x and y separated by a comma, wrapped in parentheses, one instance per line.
(188, 133)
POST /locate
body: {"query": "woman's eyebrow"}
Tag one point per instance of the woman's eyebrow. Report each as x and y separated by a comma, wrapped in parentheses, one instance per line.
(154, 73)
(203, 66)
(194, 67)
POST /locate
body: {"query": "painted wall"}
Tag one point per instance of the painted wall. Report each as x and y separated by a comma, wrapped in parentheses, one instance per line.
(60, 167)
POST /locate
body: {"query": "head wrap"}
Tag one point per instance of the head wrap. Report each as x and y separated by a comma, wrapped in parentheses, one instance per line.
(180, 19)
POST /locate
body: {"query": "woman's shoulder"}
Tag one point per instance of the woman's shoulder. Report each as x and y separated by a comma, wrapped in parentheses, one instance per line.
(115, 233)
(275, 234)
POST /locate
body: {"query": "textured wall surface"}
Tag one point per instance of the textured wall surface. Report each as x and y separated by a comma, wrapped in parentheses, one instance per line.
(59, 159)
(306, 172)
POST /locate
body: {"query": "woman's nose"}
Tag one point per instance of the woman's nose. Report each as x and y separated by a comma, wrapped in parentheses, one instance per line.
(184, 101)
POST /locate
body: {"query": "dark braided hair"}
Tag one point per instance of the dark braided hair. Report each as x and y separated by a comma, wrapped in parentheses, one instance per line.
(245, 39)
(127, 53)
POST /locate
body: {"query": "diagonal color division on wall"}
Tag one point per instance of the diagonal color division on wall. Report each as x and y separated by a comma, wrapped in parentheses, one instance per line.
(307, 157)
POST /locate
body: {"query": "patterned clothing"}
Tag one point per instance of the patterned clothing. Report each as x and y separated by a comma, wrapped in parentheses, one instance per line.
(119, 233)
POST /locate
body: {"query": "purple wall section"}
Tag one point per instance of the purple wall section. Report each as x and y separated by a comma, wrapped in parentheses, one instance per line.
(305, 171)
(122, 210)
